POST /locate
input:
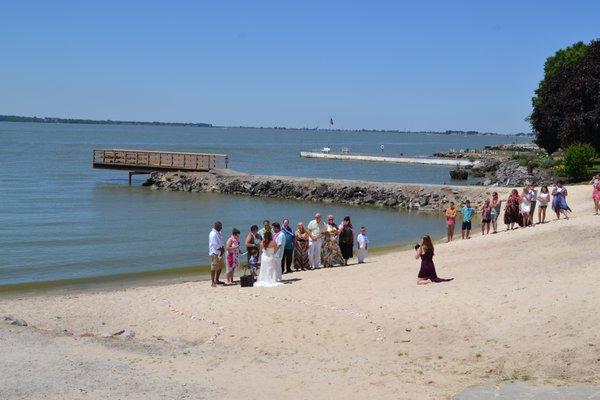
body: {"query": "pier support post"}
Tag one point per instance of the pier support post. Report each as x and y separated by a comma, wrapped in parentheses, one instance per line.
(131, 173)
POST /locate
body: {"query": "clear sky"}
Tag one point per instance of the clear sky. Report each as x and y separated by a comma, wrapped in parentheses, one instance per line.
(418, 65)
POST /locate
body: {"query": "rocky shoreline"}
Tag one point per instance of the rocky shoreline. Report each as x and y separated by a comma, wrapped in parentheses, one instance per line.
(496, 165)
(394, 195)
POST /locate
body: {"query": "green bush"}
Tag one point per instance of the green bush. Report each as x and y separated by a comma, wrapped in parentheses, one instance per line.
(578, 160)
(537, 159)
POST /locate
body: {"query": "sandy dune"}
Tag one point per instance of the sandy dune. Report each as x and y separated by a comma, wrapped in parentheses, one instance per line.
(524, 305)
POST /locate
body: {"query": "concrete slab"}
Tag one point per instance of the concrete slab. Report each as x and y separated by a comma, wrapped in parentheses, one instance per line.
(522, 391)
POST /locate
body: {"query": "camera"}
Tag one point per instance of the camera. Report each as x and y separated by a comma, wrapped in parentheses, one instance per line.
(417, 246)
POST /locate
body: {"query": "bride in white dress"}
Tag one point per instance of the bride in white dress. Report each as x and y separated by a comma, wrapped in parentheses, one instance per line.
(267, 276)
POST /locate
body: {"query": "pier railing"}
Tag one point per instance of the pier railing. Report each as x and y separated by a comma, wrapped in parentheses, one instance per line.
(153, 161)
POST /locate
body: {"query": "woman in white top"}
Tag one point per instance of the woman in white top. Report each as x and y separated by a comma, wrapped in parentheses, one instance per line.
(525, 207)
(543, 200)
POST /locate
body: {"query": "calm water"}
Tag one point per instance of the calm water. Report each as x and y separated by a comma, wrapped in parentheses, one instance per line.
(61, 219)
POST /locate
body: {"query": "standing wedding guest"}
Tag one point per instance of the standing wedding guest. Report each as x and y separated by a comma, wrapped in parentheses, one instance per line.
(316, 229)
(496, 203)
(252, 243)
(332, 227)
(266, 227)
(486, 217)
(346, 239)
(525, 206)
(232, 246)
(467, 214)
(559, 200)
(595, 182)
(215, 251)
(288, 250)
(511, 210)
(425, 252)
(534, 195)
(363, 245)
(544, 199)
(451, 213)
(279, 238)
(331, 254)
(301, 248)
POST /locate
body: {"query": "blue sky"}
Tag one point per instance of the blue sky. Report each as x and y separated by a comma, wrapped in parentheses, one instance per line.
(430, 65)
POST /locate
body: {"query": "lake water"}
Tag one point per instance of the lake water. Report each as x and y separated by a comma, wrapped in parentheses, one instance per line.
(61, 219)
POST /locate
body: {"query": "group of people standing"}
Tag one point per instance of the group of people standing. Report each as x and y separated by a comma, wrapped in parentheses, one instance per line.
(273, 249)
(519, 208)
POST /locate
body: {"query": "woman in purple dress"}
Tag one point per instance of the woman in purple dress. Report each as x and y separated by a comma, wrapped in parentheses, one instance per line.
(427, 273)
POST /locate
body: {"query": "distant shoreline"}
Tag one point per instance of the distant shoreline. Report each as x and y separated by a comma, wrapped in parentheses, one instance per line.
(55, 120)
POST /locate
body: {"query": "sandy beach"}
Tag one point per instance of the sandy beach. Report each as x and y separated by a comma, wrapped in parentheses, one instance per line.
(523, 306)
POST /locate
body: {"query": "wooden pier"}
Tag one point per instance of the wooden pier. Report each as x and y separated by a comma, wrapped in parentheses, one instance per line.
(146, 161)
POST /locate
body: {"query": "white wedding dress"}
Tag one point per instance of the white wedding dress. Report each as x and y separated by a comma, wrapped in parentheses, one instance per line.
(267, 277)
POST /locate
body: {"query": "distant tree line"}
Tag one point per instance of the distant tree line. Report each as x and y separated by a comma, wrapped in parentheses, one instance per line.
(52, 120)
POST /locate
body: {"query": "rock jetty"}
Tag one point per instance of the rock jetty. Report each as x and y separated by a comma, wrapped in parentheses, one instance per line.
(395, 195)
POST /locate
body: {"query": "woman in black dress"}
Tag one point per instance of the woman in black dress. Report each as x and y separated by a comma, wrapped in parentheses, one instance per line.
(427, 272)
(346, 239)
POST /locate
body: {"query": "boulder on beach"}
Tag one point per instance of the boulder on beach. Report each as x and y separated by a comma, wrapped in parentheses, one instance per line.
(15, 320)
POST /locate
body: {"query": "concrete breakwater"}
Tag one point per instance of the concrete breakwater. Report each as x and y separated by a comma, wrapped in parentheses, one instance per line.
(386, 159)
(395, 195)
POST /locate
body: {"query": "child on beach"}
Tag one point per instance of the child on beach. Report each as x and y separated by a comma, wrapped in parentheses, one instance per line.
(486, 217)
(467, 213)
(451, 213)
(363, 245)
(543, 198)
(253, 264)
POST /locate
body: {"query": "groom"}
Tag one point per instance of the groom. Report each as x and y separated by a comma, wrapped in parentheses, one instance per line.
(279, 238)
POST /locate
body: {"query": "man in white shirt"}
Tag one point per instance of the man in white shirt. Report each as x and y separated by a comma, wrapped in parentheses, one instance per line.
(316, 227)
(363, 244)
(215, 251)
(279, 238)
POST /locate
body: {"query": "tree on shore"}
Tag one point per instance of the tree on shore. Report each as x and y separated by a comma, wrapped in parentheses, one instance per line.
(566, 105)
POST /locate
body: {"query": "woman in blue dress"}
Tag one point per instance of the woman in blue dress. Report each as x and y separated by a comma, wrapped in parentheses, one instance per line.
(559, 200)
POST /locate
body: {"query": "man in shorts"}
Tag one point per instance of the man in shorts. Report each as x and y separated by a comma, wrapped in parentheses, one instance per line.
(467, 213)
(215, 251)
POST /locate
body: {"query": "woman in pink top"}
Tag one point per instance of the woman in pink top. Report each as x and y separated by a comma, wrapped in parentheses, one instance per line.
(596, 193)
(451, 214)
(233, 254)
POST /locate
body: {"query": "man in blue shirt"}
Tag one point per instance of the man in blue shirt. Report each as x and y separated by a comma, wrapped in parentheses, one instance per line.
(288, 250)
(467, 214)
